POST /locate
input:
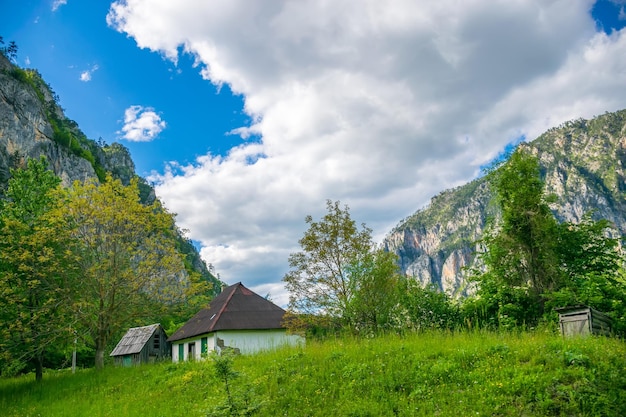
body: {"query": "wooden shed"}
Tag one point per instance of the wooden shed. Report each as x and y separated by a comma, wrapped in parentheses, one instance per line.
(582, 321)
(142, 345)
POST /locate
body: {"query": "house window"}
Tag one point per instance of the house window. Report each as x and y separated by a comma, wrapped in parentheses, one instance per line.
(157, 342)
(191, 351)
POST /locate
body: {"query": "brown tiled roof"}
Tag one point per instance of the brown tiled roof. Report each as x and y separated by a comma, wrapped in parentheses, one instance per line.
(134, 340)
(235, 308)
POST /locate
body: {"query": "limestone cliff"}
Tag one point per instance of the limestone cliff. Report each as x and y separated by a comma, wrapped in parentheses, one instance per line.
(583, 163)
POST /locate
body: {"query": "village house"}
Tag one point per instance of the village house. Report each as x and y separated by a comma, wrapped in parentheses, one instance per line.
(237, 318)
(142, 345)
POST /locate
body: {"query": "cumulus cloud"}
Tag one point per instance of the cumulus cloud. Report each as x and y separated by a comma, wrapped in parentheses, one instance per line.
(58, 3)
(141, 124)
(85, 76)
(378, 104)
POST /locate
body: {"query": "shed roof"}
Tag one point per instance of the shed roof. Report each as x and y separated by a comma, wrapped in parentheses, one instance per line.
(235, 308)
(135, 339)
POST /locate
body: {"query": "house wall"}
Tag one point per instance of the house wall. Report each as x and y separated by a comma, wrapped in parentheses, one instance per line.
(246, 341)
(197, 349)
(251, 341)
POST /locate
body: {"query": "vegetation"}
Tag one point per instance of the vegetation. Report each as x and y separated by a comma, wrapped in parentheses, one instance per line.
(84, 263)
(340, 274)
(34, 269)
(126, 258)
(532, 262)
(424, 374)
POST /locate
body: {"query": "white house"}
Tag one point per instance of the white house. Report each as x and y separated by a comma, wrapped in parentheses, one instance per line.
(237, 318)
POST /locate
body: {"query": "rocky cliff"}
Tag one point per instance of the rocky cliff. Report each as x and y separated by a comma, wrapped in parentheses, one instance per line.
(33, 124)
(583, 163)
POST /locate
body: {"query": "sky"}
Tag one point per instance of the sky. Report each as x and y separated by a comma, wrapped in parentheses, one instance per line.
(248, 116)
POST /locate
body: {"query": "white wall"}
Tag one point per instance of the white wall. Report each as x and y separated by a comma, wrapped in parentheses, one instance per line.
(251, 341)
(198, 347)
(247, 341)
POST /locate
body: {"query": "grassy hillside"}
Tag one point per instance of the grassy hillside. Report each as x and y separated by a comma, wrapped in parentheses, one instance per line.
(479, 374)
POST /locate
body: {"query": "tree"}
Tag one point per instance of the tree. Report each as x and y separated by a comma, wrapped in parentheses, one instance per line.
(34, 268)
(339, 273)
(593, 270)
(126, 251)
(531, 259)
(319, 281)
(374, 279)
(12, 51)
(521, 259)
(524, 247)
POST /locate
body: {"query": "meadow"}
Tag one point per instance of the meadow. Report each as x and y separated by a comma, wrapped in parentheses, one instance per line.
(444, 374)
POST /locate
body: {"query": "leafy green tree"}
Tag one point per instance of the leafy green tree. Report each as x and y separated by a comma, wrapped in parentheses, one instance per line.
(126, 251)
(319, 281)
(34, 268)
(521, 259)
(523, 249)
(531, 259)
(593, 268)
(374, 280)
(339, 273)
(586, 249)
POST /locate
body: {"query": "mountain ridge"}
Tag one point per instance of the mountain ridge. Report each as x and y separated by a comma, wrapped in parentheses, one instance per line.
(582, 163)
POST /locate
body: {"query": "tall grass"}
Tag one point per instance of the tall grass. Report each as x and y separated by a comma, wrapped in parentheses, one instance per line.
(445, 374)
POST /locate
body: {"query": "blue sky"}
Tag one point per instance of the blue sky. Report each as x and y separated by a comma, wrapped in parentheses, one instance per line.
(74, 40)
(378, 104)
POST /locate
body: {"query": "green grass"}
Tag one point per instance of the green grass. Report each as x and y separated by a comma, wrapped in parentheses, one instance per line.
(478, 374)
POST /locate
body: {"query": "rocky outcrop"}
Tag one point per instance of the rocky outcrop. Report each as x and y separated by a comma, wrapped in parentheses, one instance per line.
(583, 164)
(25, 129)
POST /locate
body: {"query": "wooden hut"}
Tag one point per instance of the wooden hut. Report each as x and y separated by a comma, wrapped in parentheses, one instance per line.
(582, 321)
(142, 345)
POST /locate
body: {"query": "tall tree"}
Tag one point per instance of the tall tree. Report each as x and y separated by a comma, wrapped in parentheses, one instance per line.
(339, 273)
(374, 279)
(34, 268)
(523, 248)
(531, 259)
(521, 259)
(318, 280)
(130, 268)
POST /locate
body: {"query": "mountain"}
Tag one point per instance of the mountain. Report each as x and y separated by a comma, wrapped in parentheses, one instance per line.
(33, 124)
(583, 164)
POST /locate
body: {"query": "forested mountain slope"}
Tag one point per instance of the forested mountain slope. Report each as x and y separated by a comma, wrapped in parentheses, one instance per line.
(583, 165)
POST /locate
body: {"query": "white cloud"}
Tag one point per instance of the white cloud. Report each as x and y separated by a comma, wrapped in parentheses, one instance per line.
(85, 76)
(141, 124)
(58, 3)
(378, 104)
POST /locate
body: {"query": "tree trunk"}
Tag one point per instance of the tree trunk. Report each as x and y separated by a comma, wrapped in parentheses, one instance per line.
(99, 354)
(39, 367)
